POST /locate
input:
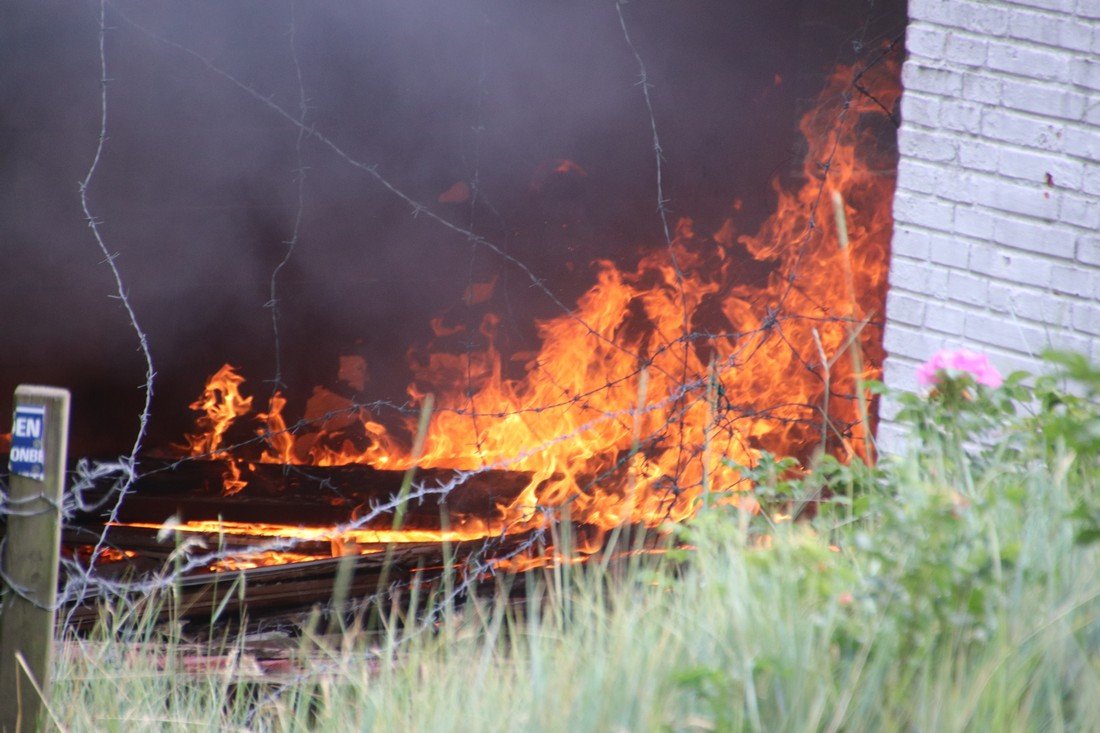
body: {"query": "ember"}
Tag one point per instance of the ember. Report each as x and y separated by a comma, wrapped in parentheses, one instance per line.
(664, 377)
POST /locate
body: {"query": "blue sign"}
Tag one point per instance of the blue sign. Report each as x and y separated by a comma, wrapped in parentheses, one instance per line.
(28, 437)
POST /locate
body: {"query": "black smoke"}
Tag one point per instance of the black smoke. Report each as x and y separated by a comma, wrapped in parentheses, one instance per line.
(197, 189)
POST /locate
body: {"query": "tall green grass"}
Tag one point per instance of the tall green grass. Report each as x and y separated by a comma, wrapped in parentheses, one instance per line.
(953, 588)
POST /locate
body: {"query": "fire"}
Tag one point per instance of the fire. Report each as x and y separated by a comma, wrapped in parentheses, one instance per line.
(665, 376)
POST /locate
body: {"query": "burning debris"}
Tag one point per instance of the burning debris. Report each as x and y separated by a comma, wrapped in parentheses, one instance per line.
(661, 381)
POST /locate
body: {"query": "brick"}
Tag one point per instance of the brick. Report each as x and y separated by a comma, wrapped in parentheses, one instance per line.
(1086, 73)
(965, 49)
(1092, 114)
(1088, 8)
(1060, 31)
(959, 188)
(924, 78)
(1067, 341)
(1091, 182)
(925, 212)
(926, 145)
(1005, 265)
(920, 109)
(1081, 142)
(945, 318)
(948, 251)
(915, 175)
(1088, 250)
(918, 277)
(1086, 317)
(1063, 5)
(1037, 237)
(1032, 305)
(1005, 332)
(1044, 99)
(1021, 129)
(1080, 210)
(1079, 281)
(981, 17)
(978, 88)
(975, 154)
(962, 116)
(1035, 200)
(910, 242)
(1036, 166)
(922, 39)
(916, 344)
(964, 287)
(1029, 61)
(974, 222)
(904, 308)
(893, 439)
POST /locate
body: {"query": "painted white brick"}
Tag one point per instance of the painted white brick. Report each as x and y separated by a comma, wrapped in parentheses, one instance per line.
(918, 277)
(920, 109)
(910, 242)
(979, 88)
(1043, 99)
(1078, 281)
(963, 287)
(975, 222)
(947, 250)
(925, 212)
(921, 177)
(1036, 237)
(1005, 332)
(1083, 211)
(1030, 61)
(1088, 8)
(1067, 341)
(905, 308)
(925, 40)
(1007, 265)
(1035, 200)
(1088, 250)
(1091, 182)
(1051, 29)
(1029, 131)
(997, 207)
(1031, 305)
(960, 188)
(965, 49)
(1036, 166)
(1086, 73)
(926, 145)
(945, 318)
(892, 438)
(917, 344)
(1063, 5)
(961, 116)
(1092, 114)
(926, 78)
(1086, 317)
(979, 156)
(1081, 142)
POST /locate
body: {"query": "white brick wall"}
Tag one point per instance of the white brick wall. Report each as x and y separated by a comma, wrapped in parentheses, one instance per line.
(997, 212)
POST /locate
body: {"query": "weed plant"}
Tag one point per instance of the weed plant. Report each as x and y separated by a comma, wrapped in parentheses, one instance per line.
(955, 587)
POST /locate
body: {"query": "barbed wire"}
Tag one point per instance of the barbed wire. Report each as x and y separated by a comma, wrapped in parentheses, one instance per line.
(99, 488)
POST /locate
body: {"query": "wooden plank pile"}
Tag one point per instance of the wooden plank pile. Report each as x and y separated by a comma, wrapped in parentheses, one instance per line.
(317, 497)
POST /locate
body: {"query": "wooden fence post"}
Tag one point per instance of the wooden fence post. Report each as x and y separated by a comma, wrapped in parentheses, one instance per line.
(39, 443)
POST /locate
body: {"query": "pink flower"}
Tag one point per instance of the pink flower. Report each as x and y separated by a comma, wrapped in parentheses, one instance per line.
(949, 364)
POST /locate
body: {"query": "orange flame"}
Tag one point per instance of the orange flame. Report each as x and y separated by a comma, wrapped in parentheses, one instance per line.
(667, 376)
